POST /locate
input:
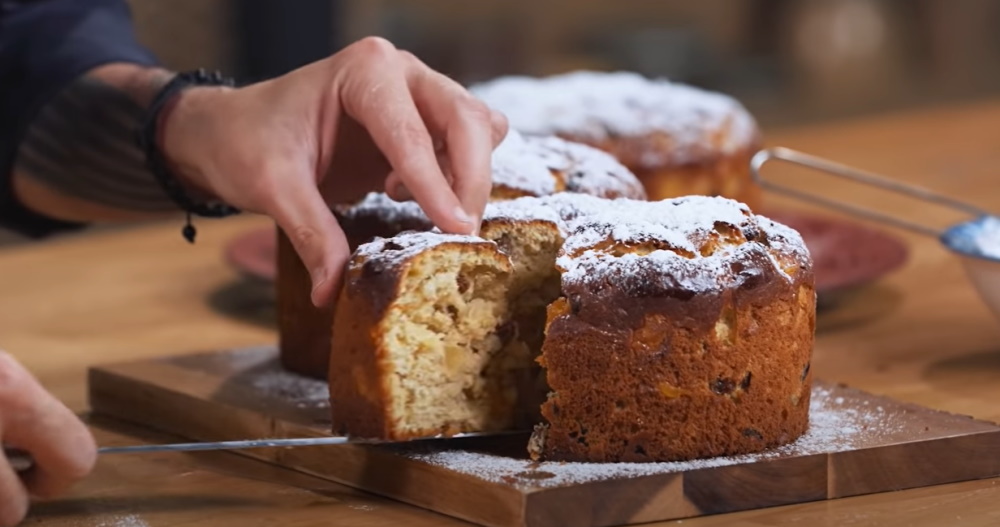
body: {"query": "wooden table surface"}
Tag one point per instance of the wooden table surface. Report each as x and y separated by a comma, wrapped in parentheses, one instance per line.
(921, 335)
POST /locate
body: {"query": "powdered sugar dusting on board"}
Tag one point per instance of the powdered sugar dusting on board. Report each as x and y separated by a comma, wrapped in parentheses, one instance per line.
(601, 105)
(301, 391)
(833, 427)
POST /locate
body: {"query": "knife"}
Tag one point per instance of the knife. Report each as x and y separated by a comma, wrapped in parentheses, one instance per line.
(22, 461)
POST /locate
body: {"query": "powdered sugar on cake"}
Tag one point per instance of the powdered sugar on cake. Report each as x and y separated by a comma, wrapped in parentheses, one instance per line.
(524, 165)
(682, 225)
(834, 426)
(527, 164)
(588, 170)
(597, 106)
(381, 205)
(562, 209)
(402, 247)
(678, 226)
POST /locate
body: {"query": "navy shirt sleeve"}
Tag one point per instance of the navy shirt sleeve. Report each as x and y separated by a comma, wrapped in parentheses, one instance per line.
(44, 45)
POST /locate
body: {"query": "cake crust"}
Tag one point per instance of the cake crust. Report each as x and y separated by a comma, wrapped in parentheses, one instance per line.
(670, 348)
(719, 372)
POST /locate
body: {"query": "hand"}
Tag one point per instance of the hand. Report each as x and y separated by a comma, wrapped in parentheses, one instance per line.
(367, 118)
(34, 421)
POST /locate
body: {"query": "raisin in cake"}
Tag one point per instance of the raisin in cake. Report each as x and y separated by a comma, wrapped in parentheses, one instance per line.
(678, 139)
(640, 331)
(522, 166)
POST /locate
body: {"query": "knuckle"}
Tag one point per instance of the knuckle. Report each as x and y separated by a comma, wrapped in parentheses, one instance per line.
(304, 235)
(412, 135)
(408, 57)
(374, 48)
(308, 244)
(475, 110)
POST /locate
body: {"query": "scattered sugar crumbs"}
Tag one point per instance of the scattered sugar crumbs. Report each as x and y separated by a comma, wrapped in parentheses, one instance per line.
(301, 391)
(833, 427)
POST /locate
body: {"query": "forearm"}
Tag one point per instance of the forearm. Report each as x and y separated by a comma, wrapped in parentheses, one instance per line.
(79, 160)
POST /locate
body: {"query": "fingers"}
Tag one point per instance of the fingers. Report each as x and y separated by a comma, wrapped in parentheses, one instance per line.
(468, 128)
(305, 217)
(33, 420)
(499, 126)
(397, 190)
(383, 104)
(13, 496)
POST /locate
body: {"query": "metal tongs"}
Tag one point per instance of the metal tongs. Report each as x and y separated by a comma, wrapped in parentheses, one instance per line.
(837, 169)
(962, 239)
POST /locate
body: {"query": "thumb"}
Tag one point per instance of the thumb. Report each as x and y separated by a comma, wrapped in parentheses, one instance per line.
(304, 216)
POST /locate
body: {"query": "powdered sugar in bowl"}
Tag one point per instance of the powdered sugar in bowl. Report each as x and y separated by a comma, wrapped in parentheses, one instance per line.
(977, 244)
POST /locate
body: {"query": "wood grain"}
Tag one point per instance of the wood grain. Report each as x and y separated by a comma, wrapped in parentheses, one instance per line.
(220, 396)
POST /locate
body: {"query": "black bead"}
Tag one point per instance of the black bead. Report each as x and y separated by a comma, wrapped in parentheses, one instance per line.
(189, 232)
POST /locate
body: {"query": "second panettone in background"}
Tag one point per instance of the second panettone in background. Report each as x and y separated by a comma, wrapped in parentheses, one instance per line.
(678, 139)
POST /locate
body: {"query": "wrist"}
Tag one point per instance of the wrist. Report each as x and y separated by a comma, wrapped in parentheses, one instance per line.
(179, 134)
(178, 137)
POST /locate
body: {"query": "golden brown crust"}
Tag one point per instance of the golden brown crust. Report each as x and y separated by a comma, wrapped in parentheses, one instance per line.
(678, 139)
(358, 394)
(654, 375)
(707, 172)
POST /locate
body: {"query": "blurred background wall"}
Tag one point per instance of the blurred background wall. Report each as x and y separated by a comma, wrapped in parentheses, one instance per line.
(790, 61)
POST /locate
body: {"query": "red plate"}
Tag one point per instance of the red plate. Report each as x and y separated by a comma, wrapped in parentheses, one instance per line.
(846, 255)
(254, 254)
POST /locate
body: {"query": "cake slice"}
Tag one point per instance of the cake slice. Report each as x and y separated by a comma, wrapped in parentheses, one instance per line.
(440, 334)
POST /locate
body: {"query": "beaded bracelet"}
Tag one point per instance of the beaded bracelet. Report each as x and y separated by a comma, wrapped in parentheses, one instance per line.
(155, 160)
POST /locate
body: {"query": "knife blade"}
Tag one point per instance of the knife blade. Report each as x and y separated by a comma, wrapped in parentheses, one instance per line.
(22, 461)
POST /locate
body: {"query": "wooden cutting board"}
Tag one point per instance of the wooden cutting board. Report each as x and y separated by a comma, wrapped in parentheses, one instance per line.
(858, 444)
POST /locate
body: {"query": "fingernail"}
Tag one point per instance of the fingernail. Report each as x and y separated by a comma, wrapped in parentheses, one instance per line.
(465, 217)
(318, 278)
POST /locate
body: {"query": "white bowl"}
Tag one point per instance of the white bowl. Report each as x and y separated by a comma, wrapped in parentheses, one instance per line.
(971, 242)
